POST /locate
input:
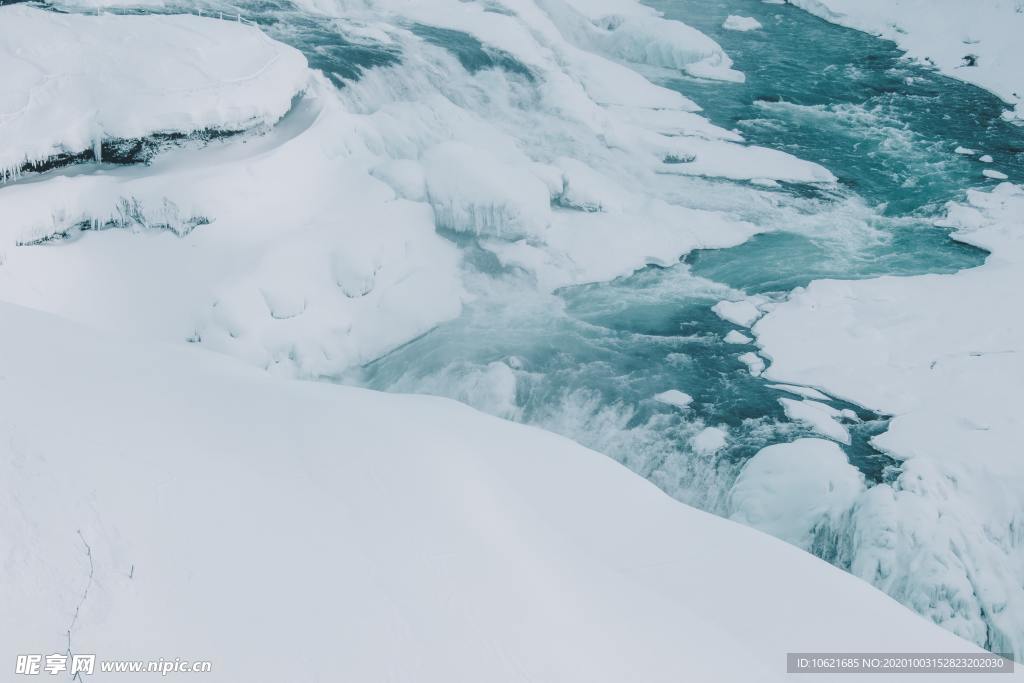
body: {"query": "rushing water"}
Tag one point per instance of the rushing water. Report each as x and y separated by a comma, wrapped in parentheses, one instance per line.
(586, 361)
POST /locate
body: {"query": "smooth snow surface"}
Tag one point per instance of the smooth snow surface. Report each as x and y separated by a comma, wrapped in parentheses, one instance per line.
(71, 81)
(799, 491)
(943, 355)
(183, 505)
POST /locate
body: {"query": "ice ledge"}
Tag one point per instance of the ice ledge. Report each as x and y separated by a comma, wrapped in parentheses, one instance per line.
(68, 89)
(943, 354)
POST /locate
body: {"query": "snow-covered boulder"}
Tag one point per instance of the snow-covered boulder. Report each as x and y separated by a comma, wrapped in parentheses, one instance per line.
(72, 82)
(799, 492)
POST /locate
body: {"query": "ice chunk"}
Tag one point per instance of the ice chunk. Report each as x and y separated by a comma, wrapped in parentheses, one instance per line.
(735, 22)
(674, 397)
(743, 313)
(993, 174)
(818, 416)
(965, 151)
(589, 190)
(709, 440)
(66, 94)
(737, 337)
(472, 191)
(797, 491)
(986, 159)
(755, 364)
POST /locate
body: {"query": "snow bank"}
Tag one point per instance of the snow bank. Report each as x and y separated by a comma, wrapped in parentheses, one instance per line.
(947, 362)
(709, 440)
(743, 313)
(974, 42)
(68, 85)
(799, 492)
(185, 506)
(737, 337)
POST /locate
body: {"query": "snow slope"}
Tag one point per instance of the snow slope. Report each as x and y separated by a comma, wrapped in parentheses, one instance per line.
(944, 355)
(184, 505)
(68, 86)
(978, 42)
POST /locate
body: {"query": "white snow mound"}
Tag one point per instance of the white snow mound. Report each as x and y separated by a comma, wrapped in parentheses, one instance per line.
(67, 84)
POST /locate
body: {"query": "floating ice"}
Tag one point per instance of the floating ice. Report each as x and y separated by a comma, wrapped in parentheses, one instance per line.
(818, 416)
(993, 174)
(737, 337)
(743, 313)
(476, 193)
(755, 364)
(709, 440)
(735, 22)
(674, 397)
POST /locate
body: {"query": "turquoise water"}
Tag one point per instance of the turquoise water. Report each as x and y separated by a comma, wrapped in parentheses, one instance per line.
(586, 361)
(589, 359)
